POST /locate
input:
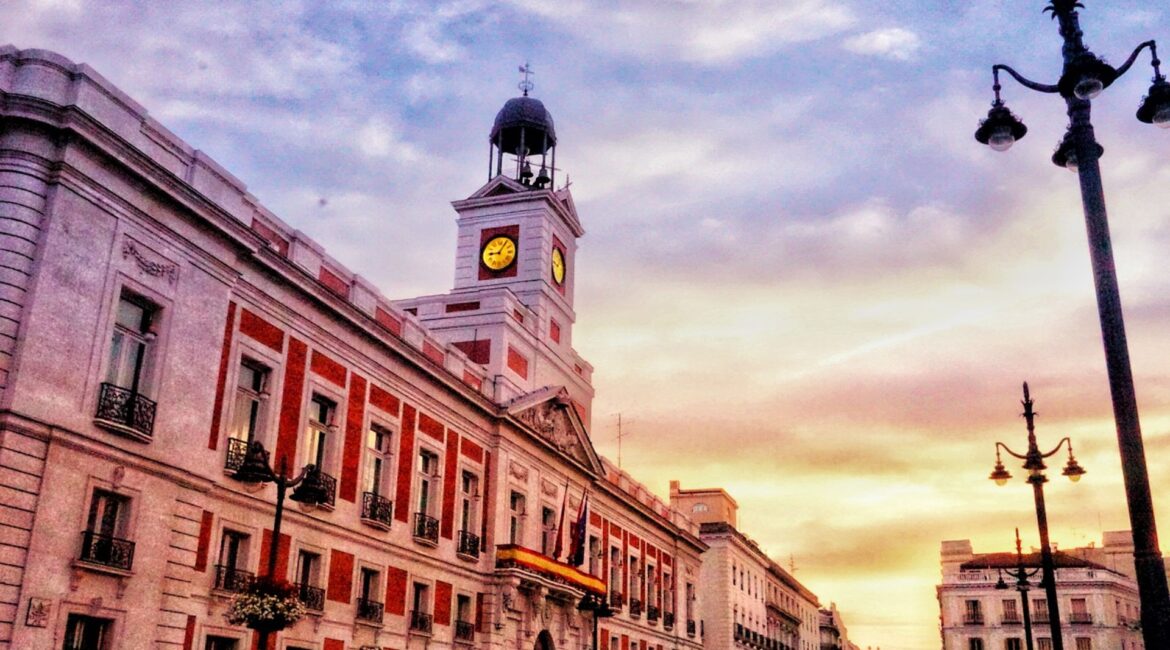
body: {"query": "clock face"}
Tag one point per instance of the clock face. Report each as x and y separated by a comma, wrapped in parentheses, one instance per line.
(499, 253)
(558, 266)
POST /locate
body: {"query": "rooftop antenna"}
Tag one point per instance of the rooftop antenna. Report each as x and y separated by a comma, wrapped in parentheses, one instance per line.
(526, 84)
(620, 434)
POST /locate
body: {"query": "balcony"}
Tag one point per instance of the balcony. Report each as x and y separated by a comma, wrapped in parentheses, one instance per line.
(106, 551)
(615, 600)
(464, 632)
(426, 529)
(973, 619)
(1080, 618)
(377, 510)
(229, 578)
(534, 570)
(369, 611)
(313, 598)
(1011, 619)
(739, 632)
(668, 621)
(1040, 618)
(236, 450)
(691, 627)
(652, 614)
(329, 484)
(420, 622)
(125, 411)
(635, 608)
(468, 547)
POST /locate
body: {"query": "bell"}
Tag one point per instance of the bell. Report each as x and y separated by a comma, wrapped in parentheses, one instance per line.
(525, 172)
(254, 469)
(542, 178)
(311, 489)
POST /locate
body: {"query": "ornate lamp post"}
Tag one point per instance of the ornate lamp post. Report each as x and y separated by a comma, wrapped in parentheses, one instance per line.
(1034, 463)
(1022, 585)
(308, 488)
(1084, 76)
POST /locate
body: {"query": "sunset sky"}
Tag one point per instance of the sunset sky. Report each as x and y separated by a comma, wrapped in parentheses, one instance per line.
(802, 280)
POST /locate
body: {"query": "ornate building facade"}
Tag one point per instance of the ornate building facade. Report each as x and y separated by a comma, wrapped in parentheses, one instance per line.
(980, 607)
(750, 601)
(158, 325)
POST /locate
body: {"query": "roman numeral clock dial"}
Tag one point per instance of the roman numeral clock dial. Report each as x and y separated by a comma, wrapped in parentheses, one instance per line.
(499, 253)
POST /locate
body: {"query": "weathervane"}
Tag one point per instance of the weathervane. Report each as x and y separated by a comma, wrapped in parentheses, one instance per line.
(526, 84)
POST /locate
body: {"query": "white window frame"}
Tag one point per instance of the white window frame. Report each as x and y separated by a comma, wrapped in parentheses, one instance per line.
(433, 482)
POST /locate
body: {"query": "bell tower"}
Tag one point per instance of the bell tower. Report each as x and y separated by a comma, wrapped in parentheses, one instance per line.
(511, 307)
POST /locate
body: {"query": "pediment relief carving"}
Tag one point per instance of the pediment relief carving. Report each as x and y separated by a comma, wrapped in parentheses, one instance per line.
(551, 422)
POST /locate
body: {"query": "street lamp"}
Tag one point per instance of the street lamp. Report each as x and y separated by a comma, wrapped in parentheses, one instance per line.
(1021, 576)
(255, 470)
(1034, 463)
(1083, 77)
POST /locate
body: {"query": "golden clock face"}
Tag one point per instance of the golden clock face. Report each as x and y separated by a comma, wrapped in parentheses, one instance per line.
(558, 266)
(499, 253)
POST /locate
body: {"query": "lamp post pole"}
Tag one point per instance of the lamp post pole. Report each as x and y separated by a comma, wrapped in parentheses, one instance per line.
(1034, 463)
(256, 470)
(1083, 77)
(1022, 585)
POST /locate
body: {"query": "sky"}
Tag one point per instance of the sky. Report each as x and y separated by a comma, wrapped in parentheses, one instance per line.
(802, 280)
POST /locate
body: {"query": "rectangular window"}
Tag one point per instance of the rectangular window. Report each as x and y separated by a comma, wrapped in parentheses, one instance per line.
(221, 643)
(516, 512)
(369, 584)
(1084, 643)
(1040, 611)
(973, 612)
(377, 461)
(1013, 644)
(428, 474)
(1080, 611)
(594, 555)
(615, 570)
(87, 633)
(468, 496)
(230, 573)
(131, 343)
(635, 591)
(974, 644)
(421, 601)
(369, 607)
(251, 395)
(317, 433)
(463, 608)
(308, 580)
(651, 586)
(107, 528)
(548, 527)
(1044, 643)
(1011, 611)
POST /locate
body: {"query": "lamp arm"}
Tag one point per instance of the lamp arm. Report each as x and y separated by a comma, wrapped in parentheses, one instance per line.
(1055, 449)
(1000, 445)
(301, 476)
(1024, 81)
(1124, 67)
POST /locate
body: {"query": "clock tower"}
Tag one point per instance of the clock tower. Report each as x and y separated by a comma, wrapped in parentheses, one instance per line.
(511, 308)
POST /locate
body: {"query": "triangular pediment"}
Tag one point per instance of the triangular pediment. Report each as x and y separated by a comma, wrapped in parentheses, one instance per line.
(550, 415)
(500, 186)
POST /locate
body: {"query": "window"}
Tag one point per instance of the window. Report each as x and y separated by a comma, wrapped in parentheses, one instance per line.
(375, 478)
(594, 554)
(420, 614)
(548, 529)
(615, 570)
(317, 434)
(974, 644)
(468, 495)
(369, 608)
(428, 473)
(308, 580)
(1011, 611)
(973, 612)
(515, 518)
(87, 633)
(635, 591)
(1040, 611)
(251, 395)
(1012, 644)
(651, 586)
(1080, 612)
(104, 541)
(1084, 643)
(220, 643)
(233, 555)
(130, 346)
(1044, 643)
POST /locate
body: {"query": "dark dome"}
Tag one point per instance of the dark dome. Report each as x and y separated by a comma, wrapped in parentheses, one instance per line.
(530, 115)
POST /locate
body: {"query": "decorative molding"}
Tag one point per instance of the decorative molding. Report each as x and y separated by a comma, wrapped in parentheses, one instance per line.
(150, 267)
(517, 471)
(548, 487)
(39, 612)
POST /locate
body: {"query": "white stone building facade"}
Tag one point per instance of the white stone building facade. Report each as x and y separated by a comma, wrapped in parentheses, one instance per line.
(1098, 601)
(155, 320)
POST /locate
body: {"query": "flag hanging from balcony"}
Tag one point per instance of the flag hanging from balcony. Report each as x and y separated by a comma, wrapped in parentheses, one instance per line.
(577, 544)
(560, 533)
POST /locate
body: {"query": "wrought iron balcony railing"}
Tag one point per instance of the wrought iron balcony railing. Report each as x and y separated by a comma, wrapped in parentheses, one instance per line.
(106, 550)
(635, 607)
(690, 627)
(651, 613)
(1080, 618)
(1011, 619)
(229, 578)
(126, 409)
(973, 619)
(236, 450)
(739, 632)
(377, 509)
(420, 622)
(468, 544)
(426, 528)
(313, 598)
(330, 486)
(1040, 618)
(668, 620)
(464, 631)
(615, 599)
(369, 610)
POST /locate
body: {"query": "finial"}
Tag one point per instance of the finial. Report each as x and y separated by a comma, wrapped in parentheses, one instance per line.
(526, 84)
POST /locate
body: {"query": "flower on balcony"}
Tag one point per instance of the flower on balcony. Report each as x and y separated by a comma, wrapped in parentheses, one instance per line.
(267, 604)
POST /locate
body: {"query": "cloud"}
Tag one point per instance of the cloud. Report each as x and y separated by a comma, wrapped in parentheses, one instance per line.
(893, 43)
